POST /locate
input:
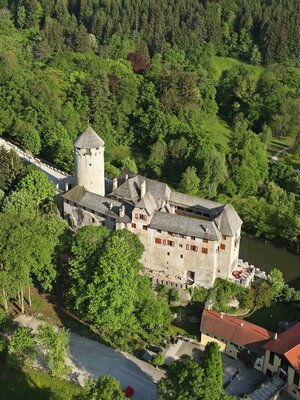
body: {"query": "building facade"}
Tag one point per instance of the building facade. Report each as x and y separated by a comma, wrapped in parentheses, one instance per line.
(187, 239)
(234, 336)
(282, 357)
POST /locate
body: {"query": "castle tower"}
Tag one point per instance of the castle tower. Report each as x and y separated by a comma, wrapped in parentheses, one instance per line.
(89, 162)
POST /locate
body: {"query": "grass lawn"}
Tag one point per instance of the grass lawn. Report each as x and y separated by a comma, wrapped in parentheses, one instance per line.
(220, 131)
(29, 384)
(277, 144)
(222, 63)
(270, 317)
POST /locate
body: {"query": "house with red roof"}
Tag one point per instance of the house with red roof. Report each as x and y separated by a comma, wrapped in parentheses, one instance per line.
(234, 335)
(282, 357)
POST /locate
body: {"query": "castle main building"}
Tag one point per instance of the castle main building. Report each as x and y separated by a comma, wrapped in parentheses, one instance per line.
(186, 239)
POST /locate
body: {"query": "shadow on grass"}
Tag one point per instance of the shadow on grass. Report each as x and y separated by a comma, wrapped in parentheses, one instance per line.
(71, 322)
(271, 317)
(16, 384)
(188, 318)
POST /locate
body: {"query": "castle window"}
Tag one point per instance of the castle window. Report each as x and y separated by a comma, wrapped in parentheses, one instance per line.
(164, 241)
(158, 230)
(193, 237)
(171, 243)
(133, 226)
(180, 245)
(187, 246)
(168, 253)
(145, 227)
(93, 220)
(194, 248)
(205, 241)
(224, 237)
(181, 255)
(219, 271)
(136, 216)
(271, 358)
(90, 165)
(157, 240)
(222, 247)
(145, 217)
(204, 250)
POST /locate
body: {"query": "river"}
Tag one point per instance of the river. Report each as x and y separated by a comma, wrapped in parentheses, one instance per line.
(266, 256)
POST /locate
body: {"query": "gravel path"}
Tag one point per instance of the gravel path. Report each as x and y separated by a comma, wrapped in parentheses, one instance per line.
(90, 358)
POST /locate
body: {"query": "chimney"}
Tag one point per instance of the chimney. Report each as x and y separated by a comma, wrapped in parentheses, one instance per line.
(276, 336)
(143, 188)
(115, 184)
(122, 211)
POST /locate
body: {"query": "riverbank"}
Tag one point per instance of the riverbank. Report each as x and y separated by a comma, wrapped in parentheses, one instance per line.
(266, 256)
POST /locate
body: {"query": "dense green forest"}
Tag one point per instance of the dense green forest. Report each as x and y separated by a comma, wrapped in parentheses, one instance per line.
(143, 74)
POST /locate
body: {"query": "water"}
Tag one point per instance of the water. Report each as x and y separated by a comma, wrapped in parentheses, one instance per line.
(266, 256)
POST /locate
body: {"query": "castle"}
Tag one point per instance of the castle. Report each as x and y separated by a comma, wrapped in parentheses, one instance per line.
(187, 240)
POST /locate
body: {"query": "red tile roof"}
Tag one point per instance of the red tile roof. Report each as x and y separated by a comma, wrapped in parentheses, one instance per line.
(288, 345)
(235, 330)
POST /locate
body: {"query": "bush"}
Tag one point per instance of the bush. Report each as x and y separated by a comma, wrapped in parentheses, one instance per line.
(158, 360)
(199, 294)
(224, 291)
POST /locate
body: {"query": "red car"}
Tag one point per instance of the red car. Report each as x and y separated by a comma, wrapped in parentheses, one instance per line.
(128, 391)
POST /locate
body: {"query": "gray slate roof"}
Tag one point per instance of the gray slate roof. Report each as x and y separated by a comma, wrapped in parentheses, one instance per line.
(148, 203)
(185, 225)
(131, 189)
(230, 221)
(96, 202)
(88, 140)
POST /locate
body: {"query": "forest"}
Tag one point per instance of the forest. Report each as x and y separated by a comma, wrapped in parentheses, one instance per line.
(144, 75)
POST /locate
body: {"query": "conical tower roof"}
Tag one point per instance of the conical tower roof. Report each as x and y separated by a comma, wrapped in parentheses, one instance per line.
(88, 140)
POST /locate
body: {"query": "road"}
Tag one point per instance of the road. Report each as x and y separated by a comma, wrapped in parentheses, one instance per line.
(90, 358)
(55, 175)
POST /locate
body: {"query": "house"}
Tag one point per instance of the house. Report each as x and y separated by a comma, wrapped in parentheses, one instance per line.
(282, 357)
(234, 335)
(188, 240)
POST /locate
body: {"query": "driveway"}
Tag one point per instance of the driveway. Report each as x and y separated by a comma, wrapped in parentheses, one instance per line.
(90, 358)
(245, 381)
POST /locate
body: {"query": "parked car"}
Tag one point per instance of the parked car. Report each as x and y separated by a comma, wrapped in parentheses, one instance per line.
(128, 391)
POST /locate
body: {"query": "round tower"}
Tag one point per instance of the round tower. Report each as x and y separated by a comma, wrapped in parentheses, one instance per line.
(89, 162)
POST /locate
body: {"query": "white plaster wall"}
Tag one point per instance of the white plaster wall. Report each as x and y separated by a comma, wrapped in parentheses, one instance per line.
(176, 261)
(89, 169)
(228, 258)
